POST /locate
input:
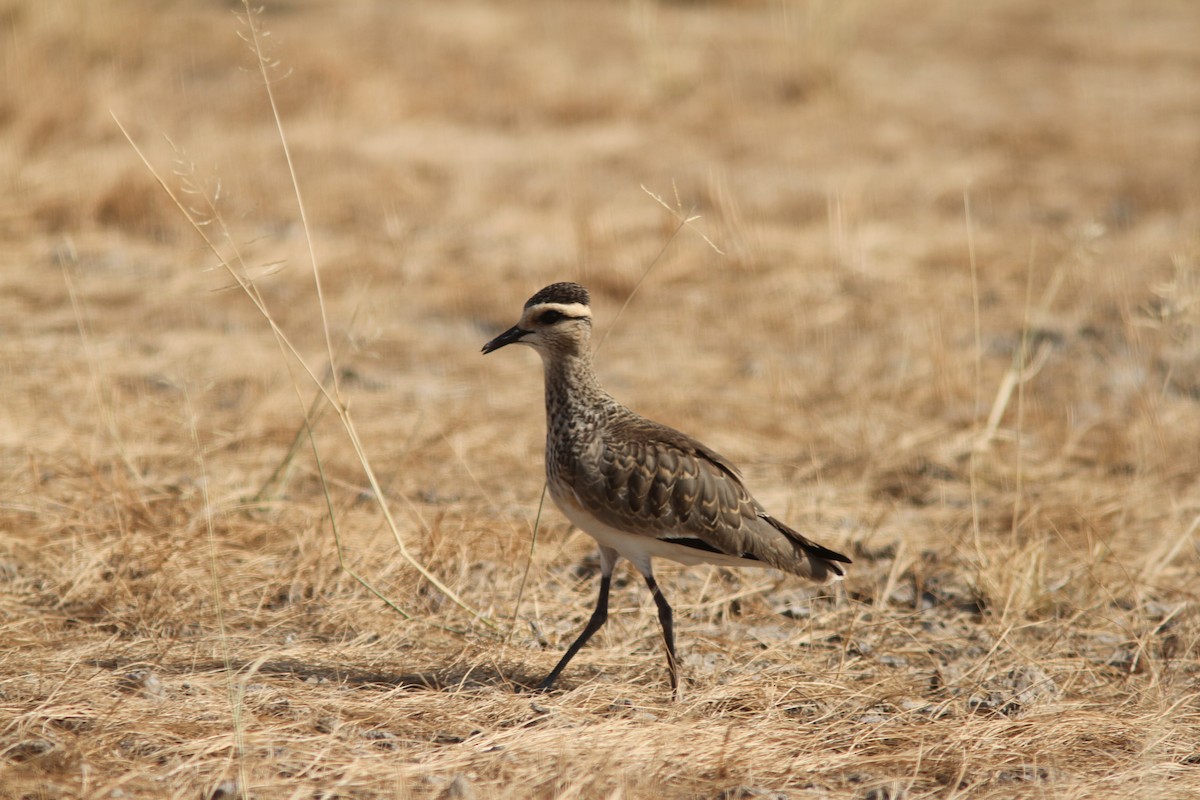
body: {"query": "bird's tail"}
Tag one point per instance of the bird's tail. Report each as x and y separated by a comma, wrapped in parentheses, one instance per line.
(820, 563)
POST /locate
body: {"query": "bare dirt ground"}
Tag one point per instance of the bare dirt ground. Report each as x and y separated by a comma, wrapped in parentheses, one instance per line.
(953, 330)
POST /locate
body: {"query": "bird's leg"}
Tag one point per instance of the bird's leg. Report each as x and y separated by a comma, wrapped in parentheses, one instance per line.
(668, 628)
(607, 561)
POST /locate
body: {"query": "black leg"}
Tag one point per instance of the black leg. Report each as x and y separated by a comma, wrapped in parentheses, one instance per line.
(599, 616)
(668, 629)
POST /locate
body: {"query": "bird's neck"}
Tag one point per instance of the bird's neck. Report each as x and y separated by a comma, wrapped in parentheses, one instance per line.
(572, 385)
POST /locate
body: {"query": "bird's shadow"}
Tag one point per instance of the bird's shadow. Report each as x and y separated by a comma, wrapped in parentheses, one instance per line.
(446, 679)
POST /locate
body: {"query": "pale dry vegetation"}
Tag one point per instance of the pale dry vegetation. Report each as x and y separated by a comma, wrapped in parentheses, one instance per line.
(954, 331)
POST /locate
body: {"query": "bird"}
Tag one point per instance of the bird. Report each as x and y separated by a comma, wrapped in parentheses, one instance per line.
(641, 489)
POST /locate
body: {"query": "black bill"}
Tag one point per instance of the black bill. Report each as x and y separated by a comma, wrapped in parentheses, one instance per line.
(511, 335)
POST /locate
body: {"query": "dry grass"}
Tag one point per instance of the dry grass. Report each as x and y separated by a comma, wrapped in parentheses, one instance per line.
(955, 333)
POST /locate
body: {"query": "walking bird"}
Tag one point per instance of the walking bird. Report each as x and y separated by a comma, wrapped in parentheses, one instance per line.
(640, 489)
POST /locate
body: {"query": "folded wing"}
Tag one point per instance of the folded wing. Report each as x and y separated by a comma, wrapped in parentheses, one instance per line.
(659, 482)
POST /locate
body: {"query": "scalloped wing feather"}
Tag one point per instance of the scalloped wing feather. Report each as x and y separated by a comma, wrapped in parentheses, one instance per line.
(655, 481)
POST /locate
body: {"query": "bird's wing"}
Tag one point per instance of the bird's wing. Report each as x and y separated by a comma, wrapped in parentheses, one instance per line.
(654, 480)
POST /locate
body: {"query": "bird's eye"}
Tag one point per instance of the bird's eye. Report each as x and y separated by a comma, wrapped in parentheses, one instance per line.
(550, 316)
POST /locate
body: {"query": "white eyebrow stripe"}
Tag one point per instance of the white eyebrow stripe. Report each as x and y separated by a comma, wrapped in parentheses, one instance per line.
(577, 310)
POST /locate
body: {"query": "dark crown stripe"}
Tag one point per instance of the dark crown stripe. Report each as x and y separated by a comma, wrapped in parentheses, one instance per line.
(565, 293)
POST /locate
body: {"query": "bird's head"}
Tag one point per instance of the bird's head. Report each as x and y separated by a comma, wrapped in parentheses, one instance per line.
(556, 321)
